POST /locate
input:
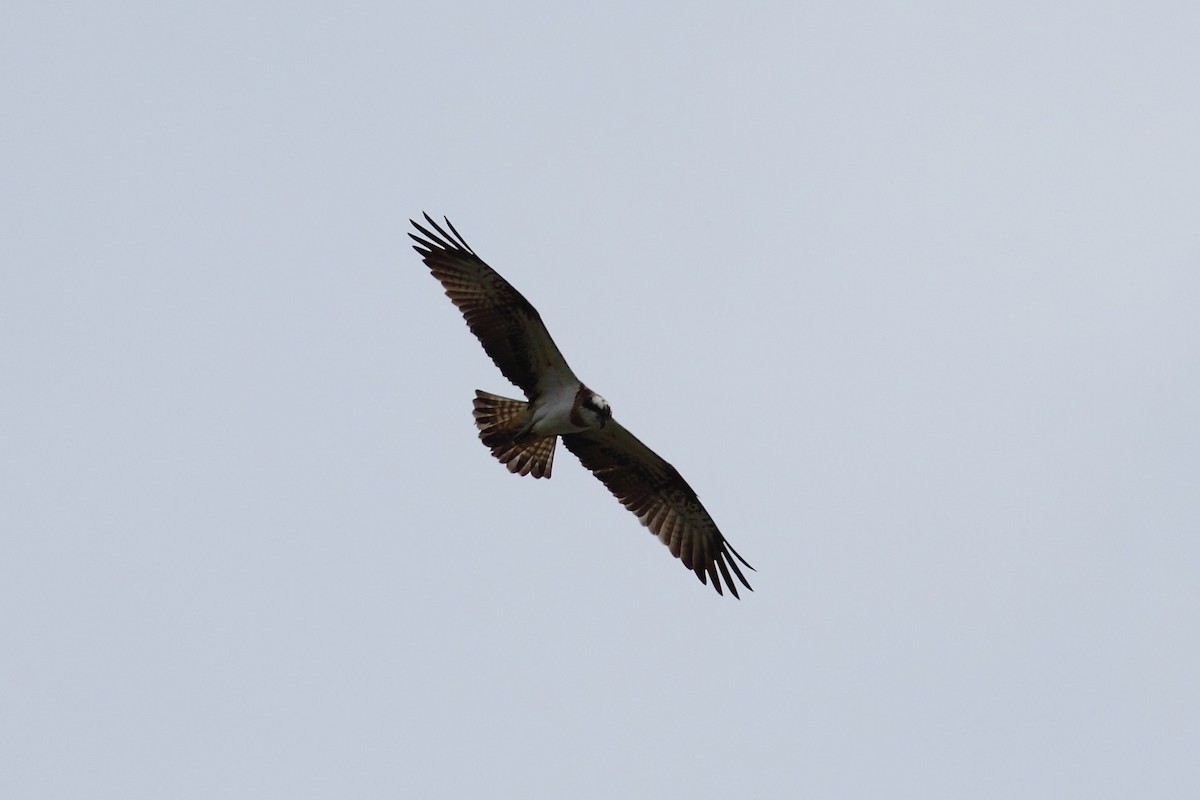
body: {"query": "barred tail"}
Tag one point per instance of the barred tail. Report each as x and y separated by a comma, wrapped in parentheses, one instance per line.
(499, 420)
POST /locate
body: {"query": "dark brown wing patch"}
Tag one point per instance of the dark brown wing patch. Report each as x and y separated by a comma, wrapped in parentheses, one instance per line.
(655, 491)
(506, 324)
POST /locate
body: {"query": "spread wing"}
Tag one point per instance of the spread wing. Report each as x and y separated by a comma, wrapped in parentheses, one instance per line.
(660, 497)
(508, 327)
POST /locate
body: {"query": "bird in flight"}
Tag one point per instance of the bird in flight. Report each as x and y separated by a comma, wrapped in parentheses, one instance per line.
(523, 434)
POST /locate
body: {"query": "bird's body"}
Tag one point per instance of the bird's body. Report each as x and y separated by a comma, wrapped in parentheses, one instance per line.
(522, 433)
(564, 410)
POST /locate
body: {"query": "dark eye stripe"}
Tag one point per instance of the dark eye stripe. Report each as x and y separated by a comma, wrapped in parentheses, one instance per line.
(594, 406)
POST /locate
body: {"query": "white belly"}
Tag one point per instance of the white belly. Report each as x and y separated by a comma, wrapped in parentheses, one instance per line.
(552, 414)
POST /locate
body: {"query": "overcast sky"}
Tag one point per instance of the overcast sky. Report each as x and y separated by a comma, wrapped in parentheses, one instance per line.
(910, 293)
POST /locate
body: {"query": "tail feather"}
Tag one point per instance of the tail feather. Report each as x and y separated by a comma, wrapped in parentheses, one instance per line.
(499, 420)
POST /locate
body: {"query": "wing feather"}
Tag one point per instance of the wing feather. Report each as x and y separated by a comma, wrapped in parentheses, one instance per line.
(506, 324)
(659, 496)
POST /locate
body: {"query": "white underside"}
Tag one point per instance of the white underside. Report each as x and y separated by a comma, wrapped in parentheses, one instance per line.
(552, 413)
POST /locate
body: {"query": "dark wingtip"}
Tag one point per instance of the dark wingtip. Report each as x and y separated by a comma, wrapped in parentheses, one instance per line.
(441, 240)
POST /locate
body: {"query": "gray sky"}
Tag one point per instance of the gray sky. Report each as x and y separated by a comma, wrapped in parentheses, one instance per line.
(907, 292)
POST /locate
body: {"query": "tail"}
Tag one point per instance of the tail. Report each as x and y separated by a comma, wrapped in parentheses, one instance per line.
(499, 420)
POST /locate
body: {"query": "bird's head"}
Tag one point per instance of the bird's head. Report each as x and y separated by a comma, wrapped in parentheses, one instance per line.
(597, 409)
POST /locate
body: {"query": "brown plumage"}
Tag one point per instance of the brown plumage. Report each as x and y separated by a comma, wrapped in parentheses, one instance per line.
(505, 323)
(499, 420)
(522, 435)
(659, 496)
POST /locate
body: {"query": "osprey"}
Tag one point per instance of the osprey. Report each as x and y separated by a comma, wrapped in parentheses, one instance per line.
(522, 434)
